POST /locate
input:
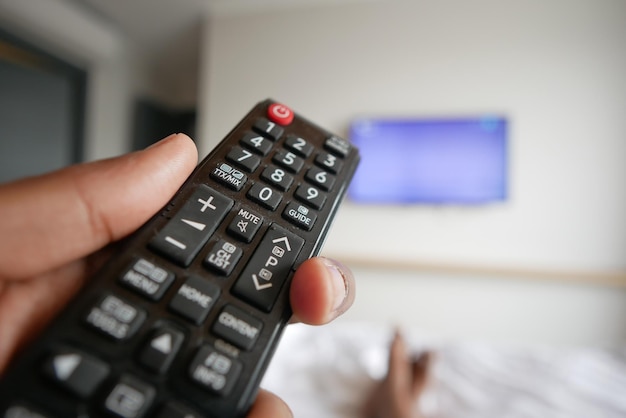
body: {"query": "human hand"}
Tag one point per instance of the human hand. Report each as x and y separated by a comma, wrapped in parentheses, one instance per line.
(55, 231)
(396, 396)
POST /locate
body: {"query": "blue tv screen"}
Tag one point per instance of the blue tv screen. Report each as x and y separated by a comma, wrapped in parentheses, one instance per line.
(431, 161)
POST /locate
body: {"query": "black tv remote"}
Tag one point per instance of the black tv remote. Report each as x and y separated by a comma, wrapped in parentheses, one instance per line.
(183, 321)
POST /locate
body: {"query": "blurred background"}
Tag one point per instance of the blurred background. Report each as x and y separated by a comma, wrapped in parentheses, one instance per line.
(543, 265)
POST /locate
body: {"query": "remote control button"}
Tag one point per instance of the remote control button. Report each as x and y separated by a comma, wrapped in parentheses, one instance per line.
(147, 279)
(229, 176)
(289, 160)
(161, 348)
(186, 233)
(245, 225)
(320, 178)
(267, 128)
(280, 114)
(243, 158)
(237, 327)
(257, 143)
(214, 371)
(75, 371)
(265, 196)
(19, 410)
(300, 216)
(175, 410)
(223, 257)
(260, 282)
(115, 318)
(130, 398)
(299, 145)
(329, 162)
(194, 299)
(311, 196)
(338, 146)
(278, 177)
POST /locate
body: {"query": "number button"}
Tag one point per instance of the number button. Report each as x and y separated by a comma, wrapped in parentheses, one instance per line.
(267, 128)
(265, 196)
(311, 196)
(256, 143)
(278, 177)
(329, 162)
(289, 160)
(320, 178)
(243, 158)
(298, 146)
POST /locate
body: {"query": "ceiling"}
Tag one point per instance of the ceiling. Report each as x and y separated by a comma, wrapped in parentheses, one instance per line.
(151, 23)
(167, 32)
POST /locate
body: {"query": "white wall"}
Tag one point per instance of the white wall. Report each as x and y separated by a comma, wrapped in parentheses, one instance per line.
(472, 307)
(555, 68)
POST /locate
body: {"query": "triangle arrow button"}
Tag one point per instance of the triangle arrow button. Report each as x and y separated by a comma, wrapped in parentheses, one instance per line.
(64, 365)
(162, 343)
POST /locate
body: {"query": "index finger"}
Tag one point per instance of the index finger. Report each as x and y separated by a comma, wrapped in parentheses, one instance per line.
(49, 220)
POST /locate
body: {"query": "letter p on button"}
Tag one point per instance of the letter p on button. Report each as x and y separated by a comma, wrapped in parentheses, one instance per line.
(280, 114)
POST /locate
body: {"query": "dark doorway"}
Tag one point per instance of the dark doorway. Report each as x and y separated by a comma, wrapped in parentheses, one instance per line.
(42, 110)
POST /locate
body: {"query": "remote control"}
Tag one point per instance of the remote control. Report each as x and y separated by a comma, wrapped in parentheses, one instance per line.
(183, 321)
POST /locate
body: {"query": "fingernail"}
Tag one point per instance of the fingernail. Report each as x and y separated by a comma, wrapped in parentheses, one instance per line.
(341, 287)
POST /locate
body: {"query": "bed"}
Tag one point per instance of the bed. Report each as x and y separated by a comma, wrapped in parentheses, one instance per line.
(329, 371)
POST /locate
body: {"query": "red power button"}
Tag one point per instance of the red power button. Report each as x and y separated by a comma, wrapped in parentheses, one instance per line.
(280, 114)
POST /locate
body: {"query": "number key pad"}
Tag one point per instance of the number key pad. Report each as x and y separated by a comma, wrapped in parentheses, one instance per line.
(291, 157)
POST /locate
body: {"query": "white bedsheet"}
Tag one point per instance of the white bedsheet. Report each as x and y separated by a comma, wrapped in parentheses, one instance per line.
(328, 371)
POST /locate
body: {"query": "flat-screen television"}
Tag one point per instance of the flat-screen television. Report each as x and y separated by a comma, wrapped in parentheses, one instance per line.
(455, 161)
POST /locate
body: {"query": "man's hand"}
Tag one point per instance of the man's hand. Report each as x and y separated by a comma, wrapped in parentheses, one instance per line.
(55, 231)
